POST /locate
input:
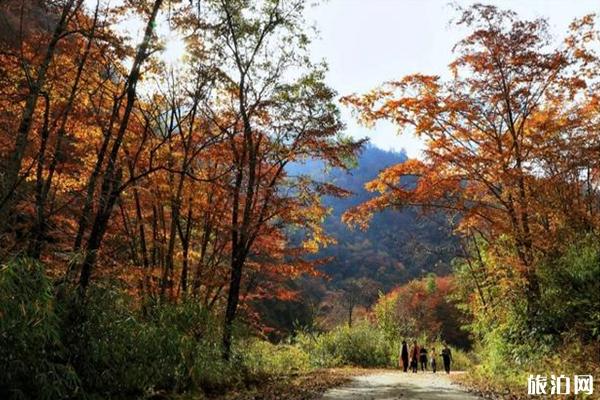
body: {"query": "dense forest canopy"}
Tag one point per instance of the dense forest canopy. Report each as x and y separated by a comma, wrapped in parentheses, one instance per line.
(188, 185)
(207, 225)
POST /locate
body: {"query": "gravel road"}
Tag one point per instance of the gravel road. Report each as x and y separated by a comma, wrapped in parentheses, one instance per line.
(394, 385)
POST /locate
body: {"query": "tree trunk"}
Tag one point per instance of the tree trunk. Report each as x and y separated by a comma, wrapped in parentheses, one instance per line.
(185, 237)
(35, 245)
(143, 248)
(232, 303)
(45, 185)
(112, 175)
(350, 311)
(93, 180)
(110, 195)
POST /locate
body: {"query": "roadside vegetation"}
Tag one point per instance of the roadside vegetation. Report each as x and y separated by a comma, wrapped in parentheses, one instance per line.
(113, 346)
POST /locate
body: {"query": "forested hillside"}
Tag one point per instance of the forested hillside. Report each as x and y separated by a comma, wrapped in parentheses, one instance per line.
(398, 245)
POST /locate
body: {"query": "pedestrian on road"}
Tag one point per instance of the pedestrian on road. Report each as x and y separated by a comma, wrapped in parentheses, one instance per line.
(414, 357)
(423, 358)
(447, 358)
(404, 356)
(432, 360)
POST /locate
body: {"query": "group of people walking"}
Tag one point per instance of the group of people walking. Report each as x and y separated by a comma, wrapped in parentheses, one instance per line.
(420, 355)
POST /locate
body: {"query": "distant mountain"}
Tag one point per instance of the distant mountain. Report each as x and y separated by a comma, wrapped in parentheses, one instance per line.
(397, 247)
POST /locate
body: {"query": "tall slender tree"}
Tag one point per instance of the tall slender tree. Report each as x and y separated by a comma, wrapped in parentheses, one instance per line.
(272, 119)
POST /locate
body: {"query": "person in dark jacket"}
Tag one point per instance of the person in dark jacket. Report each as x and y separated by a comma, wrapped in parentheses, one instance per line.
(447, 358)
(423, 358)
(414, 357)
(404, 356)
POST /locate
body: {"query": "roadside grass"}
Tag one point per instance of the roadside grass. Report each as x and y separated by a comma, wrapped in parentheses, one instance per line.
(509, 382)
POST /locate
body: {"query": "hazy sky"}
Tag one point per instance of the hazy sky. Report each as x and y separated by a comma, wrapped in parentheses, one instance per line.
(367, 42)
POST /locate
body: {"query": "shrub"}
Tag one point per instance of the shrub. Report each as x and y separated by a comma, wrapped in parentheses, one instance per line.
(206, 369)
(570, 286)
(115, 349)
(320, 349)
(360, 345)
(169, 347)
(262, 358)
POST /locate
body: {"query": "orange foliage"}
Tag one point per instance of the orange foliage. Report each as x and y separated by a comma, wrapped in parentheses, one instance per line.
(425, 307)
(511, 139)
(175, 188)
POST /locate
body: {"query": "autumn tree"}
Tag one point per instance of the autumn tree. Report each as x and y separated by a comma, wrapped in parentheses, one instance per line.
(509, 138)
(176, 205)
(277, 110)
(108, 172)
(354, 293)
(36, 71)
(423, 307)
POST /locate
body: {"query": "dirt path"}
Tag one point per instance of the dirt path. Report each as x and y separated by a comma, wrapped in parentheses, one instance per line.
(395, 385)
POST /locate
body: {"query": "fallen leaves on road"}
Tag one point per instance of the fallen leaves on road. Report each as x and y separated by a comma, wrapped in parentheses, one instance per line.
(297, 387)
